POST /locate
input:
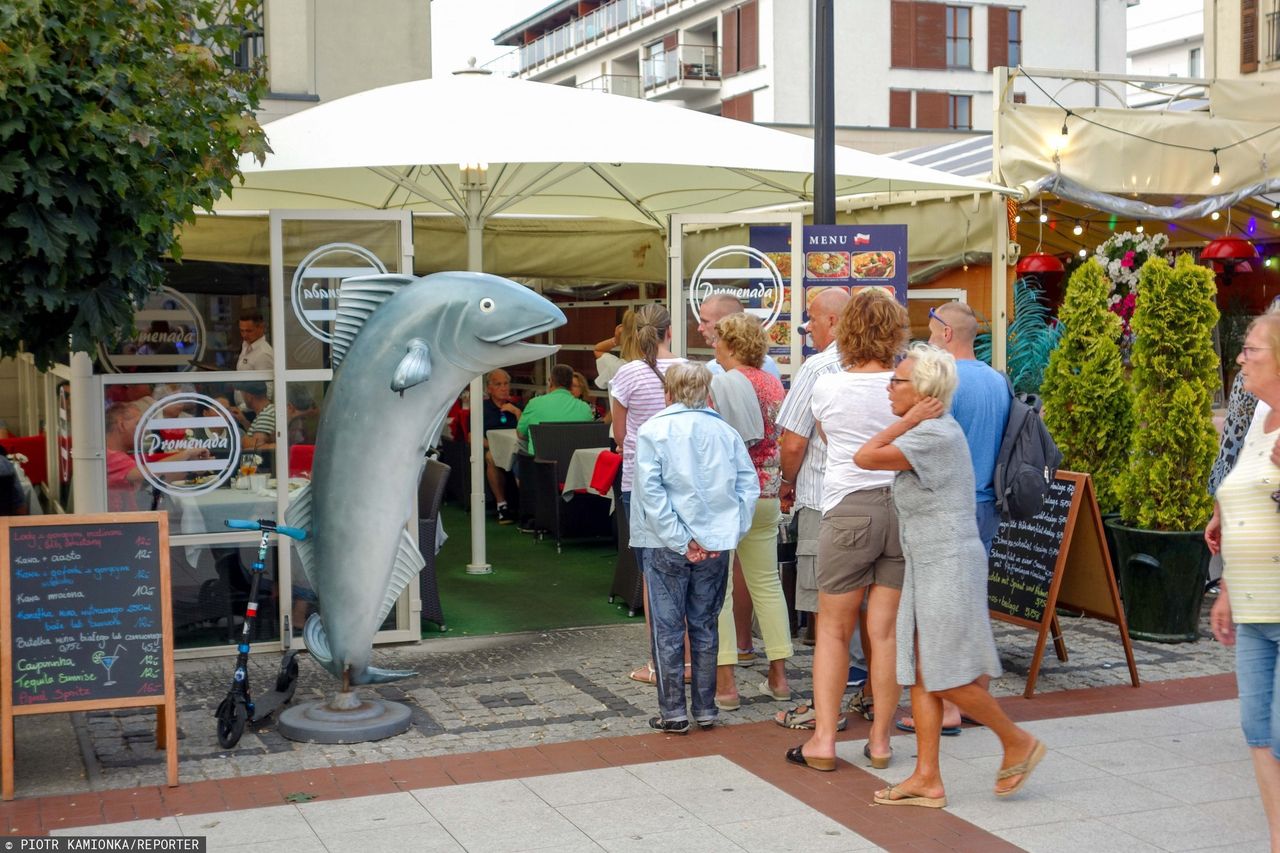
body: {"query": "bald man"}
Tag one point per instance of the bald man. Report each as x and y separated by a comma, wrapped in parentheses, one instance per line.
(716, 307)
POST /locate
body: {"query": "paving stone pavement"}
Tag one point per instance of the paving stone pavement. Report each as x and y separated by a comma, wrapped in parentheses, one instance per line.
(478, 694)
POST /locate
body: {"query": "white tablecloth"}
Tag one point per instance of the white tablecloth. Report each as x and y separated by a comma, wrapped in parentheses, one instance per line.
(581, 467)
(503, 444)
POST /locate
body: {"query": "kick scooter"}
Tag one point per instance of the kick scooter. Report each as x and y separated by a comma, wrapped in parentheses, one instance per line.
(238, 708)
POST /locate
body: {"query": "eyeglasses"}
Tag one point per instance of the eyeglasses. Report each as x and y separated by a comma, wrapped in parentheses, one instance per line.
(1275, 496)
(893, 380)
(934, 315)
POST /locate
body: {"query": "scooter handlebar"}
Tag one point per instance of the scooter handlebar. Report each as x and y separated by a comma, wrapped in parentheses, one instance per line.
(283, 530)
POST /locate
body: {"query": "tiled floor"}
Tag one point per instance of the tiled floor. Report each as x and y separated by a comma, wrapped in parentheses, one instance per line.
(1158, 776)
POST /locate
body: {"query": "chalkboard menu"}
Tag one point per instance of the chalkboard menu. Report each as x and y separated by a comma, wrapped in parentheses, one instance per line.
(85, 621)
(86, 609)
(1024, 557)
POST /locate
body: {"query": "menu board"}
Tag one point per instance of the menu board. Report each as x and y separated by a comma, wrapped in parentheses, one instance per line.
(85, 620)
(1024, 557)
(850, 257)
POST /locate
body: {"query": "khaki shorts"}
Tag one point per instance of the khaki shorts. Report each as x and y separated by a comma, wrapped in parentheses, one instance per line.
(807, 559)
(858, 544)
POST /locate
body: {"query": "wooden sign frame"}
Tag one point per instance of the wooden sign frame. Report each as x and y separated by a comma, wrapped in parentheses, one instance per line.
(166, 704)
(1083, 561)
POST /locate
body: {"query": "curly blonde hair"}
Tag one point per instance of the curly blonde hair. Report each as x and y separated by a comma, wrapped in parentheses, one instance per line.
(744, 337)
(873, 328)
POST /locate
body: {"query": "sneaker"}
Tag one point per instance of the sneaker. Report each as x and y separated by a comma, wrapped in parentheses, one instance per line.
(857, 677)
(528, 526)
(504, 515)
(671, 727)
(708, 725)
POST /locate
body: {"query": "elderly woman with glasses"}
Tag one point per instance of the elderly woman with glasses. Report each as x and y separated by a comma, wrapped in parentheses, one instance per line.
(1245, 528)
(944, 634)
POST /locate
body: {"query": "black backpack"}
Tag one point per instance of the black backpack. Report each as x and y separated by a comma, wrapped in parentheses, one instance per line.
(1027, 461)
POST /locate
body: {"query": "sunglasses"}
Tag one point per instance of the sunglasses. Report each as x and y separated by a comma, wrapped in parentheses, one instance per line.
(934, 315)
(1275, 496)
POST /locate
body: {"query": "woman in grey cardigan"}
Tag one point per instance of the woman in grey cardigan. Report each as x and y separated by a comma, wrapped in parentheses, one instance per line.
(944, 633)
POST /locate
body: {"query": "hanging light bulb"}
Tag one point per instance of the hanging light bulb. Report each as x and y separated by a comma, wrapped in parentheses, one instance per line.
(1018, 216)
(1044, 217)
(1083, 252)
(1139, 228)
(1078, 230)
(1217, 172)
(1275, 211)
(1215, 216)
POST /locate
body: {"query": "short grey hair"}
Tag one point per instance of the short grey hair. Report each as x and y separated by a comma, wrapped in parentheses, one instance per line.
(688, 383)
(933, 373)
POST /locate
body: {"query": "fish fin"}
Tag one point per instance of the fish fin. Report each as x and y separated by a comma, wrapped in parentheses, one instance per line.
(408, 563)
(358, 298)
(318, 641)
(375, 675)
(414, 368)
(298, 514)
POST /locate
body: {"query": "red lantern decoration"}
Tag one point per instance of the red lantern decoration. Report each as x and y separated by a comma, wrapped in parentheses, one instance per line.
(1230, 255)
(1039, 263)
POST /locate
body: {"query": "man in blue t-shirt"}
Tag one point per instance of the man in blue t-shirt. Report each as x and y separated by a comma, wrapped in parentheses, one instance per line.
(499, 413)
(981, 407)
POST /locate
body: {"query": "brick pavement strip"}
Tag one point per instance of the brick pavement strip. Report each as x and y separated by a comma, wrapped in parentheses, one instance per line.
(495, 693)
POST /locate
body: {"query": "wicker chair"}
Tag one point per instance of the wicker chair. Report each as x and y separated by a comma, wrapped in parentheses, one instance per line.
(431, 488)
(585, 515)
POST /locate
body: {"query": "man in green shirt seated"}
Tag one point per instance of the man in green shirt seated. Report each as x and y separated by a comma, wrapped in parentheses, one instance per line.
(558, 405)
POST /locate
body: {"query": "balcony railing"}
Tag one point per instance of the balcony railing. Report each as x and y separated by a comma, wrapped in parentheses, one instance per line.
(596, 24)
(1273, 38)
(688, 62)
(627, 85)
(251, 47)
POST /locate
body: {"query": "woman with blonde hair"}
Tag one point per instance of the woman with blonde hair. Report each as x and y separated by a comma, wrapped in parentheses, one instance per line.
(944, 642)
(636, 394)
(859, 555)
(749, 399)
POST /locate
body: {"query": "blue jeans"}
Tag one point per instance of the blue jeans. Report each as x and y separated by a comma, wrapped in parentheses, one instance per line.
(684, 594)
(1257, 650)
(988, 522)
(639, 552)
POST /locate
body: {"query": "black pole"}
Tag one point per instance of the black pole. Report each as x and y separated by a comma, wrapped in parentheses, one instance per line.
(824, 109)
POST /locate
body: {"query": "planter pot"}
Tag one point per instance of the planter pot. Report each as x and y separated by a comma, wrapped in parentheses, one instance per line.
(1162, 578)
(1107, 519)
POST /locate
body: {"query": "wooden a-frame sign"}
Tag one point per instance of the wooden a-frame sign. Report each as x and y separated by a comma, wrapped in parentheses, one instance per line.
(1082, 578)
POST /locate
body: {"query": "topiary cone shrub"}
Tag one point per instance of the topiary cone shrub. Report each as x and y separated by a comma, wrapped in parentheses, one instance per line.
(1175, 370)
(1087, 403)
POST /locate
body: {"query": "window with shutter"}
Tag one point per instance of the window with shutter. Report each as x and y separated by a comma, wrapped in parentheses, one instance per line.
(960, 112)
(741, 107)
(901, 33)
(748, 36)
(959, 36)
(1248, 36)
(899, 108)
(997, 37)
(1015, 38)
(929, 38)
(932, 110)
(729, 39)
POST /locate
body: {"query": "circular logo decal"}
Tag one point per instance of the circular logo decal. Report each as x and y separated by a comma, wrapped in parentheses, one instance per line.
(318, 280)
(759, 288)
(169, 335)
(186, 434)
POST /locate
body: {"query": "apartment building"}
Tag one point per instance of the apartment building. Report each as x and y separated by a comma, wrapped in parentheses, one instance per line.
(908, 72)
(320, 50)
(1242, 38)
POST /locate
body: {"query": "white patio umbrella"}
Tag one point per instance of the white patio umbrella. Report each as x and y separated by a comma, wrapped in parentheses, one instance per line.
(474, 145)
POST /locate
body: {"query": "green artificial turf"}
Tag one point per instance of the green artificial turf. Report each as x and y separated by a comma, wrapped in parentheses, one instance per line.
(532, 588)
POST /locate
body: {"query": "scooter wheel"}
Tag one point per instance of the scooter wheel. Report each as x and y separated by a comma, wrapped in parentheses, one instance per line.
(232, 717)
(287, 679)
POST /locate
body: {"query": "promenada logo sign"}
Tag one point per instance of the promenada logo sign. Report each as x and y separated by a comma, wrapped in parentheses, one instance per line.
(186, 421)
(170, 336)
(318, 280)
(740, 271)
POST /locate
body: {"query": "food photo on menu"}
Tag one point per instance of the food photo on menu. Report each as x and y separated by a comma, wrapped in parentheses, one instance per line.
(827, 264)
(873, 264)
(781, 260)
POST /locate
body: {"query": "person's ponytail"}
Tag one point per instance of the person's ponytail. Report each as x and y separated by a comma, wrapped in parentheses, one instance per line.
(652, 323)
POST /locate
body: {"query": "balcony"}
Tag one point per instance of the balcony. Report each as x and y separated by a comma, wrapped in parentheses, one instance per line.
(689, 68)
(627, 85)
(595, 25)
(1271, 48)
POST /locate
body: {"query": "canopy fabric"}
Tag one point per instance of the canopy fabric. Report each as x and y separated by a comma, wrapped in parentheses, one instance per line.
(550, 150)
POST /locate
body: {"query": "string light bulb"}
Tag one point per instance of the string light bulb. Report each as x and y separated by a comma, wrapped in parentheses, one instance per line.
(1139, 228)
(1217, 171)
(1044, 217)
(1215, 216)
(1083, 252)
(1017, 217)
(1078, 230)
(1275, 211)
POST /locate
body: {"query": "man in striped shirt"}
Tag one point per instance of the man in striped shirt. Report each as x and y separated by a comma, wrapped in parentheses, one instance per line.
(803, 455)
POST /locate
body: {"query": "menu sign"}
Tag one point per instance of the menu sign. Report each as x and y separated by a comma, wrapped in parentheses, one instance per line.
(85, 619)
(1024, 557)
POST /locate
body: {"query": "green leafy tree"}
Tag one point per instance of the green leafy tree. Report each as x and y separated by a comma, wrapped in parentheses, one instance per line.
(1087, 403)
(1175, 370)
(118, 118)
(1029, 340)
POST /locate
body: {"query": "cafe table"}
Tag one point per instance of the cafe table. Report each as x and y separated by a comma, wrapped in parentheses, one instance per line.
(503, 444)
(582, 466)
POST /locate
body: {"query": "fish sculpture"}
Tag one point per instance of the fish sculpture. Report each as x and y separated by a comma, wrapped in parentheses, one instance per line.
(403, 350)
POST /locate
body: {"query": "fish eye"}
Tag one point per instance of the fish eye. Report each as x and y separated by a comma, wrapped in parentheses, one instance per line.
(487, 305)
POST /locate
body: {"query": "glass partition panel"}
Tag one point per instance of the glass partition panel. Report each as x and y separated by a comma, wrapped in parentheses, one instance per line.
(211, 590)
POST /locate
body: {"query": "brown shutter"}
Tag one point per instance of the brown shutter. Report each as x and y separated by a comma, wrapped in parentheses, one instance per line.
(1248, 36)
(901, 33)
(741, 107)
(748, 36)
(669, 42)
(997, 36)
(729, 39)
(930, 47)
(931, 109)
(899, 108)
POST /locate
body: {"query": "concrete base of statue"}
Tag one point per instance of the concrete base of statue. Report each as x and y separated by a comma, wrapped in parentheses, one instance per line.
(346, 718)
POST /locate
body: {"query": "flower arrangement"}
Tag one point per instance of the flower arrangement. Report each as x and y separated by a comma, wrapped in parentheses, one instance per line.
(1122, 256)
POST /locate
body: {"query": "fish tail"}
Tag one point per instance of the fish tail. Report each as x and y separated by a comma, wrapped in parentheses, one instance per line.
(318, 642)
(375, 675)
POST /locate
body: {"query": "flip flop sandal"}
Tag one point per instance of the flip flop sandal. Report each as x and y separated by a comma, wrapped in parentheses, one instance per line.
(878, 762)
(891, 796)
(780, 695)
(796, 755)
(862, 705)
(644, 675)
(1022, 768)
(729, 704)
(947, 731)
(803, 717)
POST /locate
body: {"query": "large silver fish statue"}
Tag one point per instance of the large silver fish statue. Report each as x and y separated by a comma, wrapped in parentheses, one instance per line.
(403, 350)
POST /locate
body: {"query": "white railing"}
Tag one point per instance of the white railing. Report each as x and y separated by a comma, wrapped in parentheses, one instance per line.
(627, 85)
(596, 24)
(695, 62)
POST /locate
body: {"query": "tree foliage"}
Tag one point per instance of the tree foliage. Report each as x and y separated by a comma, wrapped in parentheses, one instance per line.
(1030, 339)
(1175, 370)
(1087, 402)
(118, 118)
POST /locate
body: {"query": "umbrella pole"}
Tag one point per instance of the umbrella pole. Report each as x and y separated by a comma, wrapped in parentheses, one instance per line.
(479, 565)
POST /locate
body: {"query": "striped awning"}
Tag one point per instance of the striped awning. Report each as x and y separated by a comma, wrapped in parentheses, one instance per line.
(970, 158)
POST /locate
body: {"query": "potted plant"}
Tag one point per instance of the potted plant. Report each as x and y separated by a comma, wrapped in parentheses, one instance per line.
(1087, 402)
(1164, 504)
(1030, 338)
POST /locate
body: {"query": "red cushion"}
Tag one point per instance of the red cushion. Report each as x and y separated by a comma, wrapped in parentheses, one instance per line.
(32, 447)
(300, 458)
(607, 464)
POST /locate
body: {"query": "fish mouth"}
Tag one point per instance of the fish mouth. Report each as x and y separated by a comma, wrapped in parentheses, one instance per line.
(527, 332)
